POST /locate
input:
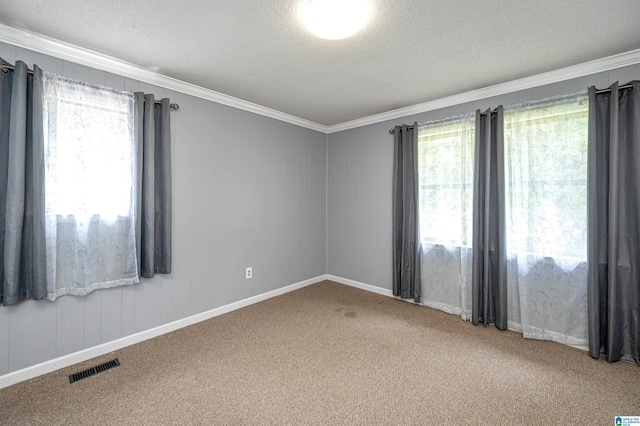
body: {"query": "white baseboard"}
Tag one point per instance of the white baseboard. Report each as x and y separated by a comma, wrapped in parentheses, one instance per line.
(362, 286)
(86, 354)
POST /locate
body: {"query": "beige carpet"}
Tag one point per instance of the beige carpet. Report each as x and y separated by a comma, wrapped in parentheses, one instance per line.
(331, 354)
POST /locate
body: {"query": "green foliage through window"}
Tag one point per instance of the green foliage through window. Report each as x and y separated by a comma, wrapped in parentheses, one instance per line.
(445, 164)
(545, 147)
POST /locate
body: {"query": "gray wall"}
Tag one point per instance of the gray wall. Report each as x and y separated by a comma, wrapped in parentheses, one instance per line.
(248, 191)
(360, 165)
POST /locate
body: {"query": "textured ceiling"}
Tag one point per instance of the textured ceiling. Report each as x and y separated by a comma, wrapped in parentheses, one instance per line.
(410, 52)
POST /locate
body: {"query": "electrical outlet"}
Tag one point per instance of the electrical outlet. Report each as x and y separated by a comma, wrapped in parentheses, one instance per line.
(248, 273)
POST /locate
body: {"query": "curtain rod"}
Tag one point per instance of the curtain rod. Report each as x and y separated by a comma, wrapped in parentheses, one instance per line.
(624, 86)
(392, 131)
(7, 67)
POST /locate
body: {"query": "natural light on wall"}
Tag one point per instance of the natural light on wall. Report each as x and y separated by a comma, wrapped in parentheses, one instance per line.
(335, 19)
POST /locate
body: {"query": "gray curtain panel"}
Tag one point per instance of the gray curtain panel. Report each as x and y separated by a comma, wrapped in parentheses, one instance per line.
(489, 270)
(406, 239)
(153, 210)
(22, 212)
(613, 250)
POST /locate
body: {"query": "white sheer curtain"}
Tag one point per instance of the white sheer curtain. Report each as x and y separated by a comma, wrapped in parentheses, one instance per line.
(89, 187)
(546, 199)
(546, 214)
(445, 158)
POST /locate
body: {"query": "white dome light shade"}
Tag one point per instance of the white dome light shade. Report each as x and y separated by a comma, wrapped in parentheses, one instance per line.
(335, 19)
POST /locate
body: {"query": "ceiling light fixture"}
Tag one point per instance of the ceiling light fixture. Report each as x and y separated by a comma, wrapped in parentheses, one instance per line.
(335, 19)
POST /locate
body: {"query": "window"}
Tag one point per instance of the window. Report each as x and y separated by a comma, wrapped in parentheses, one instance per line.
(90, 158)
(445, 164)
(546, 179)
(445, 167)
(545, 208)
(546, 217)
(90, 186)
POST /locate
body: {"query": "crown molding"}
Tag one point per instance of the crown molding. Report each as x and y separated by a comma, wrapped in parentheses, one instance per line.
(66, 51)
(580, 70)
(79, 55)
